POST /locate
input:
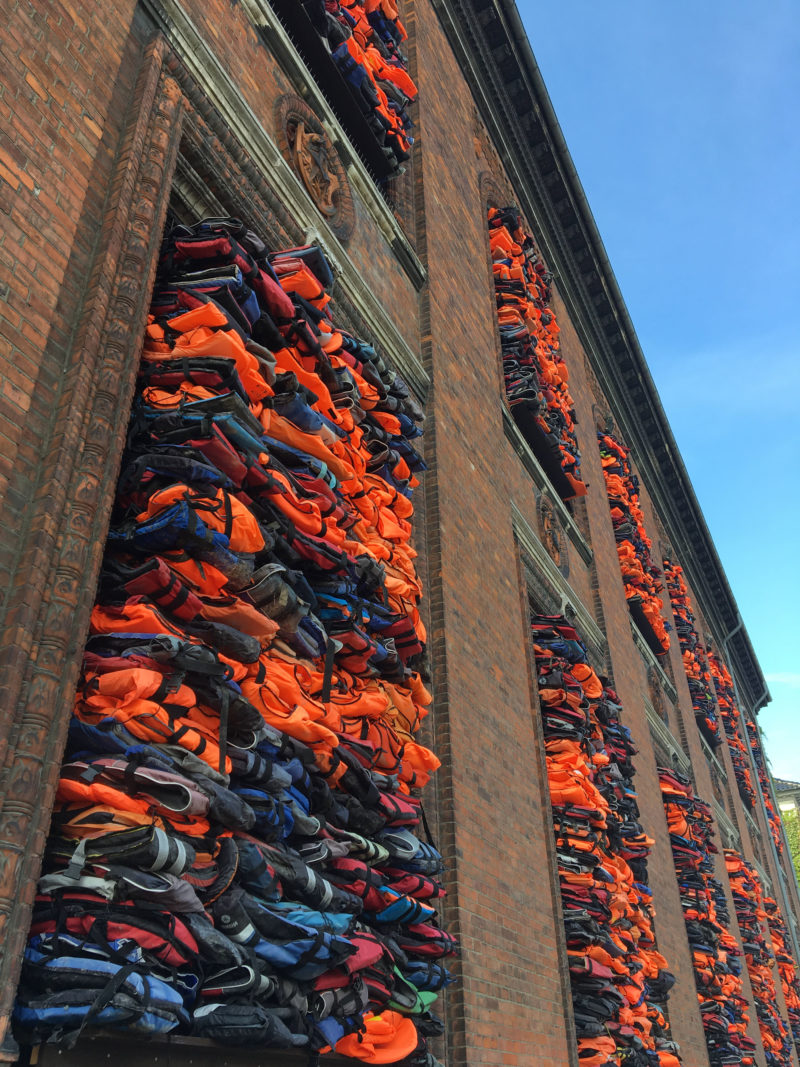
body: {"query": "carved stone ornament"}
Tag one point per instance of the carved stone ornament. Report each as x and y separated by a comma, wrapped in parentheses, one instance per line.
(552, 534)
(716, 785)
(306, 146)
(310, 158)
(603, 421)
(544, 599)
(656, 695)
(492, 192)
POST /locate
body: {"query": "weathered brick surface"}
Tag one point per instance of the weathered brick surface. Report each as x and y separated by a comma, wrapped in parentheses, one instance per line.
(630, 680)
(66, 78)
(753, 849)
(63, 508)
(510, 998)
(62, 82)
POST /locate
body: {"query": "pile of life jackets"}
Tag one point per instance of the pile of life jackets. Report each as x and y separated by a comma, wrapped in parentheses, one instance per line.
(790, 982)
(235, 850)
(700, 670)
(640, 576)
(729, 713)
(536, 376)
(693, 652)
(773, 818)
(365, 39)
(715, 952)
(620, 981)
(748, 900)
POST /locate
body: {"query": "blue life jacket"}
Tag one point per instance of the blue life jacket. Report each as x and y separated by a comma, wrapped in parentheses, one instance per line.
(73, 992)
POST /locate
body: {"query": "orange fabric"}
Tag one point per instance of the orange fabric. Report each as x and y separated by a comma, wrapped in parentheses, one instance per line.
(150, 722)
(203, 577)
(390, 72)
(235, 612)
(282, 430)
(218, 511)
(201, 341)
(387, 1038)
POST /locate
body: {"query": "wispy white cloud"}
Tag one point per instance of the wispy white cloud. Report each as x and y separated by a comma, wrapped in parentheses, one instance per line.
(784, 678)
(718, 377)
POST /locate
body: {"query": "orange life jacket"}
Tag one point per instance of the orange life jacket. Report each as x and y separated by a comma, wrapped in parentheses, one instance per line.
(219, 511)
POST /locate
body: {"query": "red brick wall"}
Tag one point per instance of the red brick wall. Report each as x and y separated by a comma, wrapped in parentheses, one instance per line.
(630, 678)
(510, 997)
(66, 83)
(67, 96)
(732, 803)
(70, 121)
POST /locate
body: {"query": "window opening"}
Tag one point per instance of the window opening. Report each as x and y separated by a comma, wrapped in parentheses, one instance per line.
(238, 849)
(790, 982)
(729, 713)
(716, 955)
(535, 374)
(602, 851)
(356, 53)
(693, 652)
(748, 899)
(773, 818)
(640, 576)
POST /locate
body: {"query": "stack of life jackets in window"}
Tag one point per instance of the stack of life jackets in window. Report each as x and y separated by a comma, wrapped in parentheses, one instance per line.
(365, 39)
(748, 900)
(234, 851)
(787, 967)
(715, 952)
(536, 376)
(693, 652)
(640, 575)
(773, 818)
(620, 981)
(729, 713)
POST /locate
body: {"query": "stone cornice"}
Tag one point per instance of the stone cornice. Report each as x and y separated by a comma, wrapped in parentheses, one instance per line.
(493, 49)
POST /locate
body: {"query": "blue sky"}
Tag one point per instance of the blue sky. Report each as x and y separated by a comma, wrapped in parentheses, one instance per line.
(683, 120)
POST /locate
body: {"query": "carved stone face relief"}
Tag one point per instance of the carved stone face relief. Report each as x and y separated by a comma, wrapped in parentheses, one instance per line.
(307, 148)
(311, 161)
(552, 535)
(656, 695)
(716, 785)
(602, 419)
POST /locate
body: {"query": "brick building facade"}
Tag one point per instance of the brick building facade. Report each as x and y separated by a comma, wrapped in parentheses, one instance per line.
(112, 119)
